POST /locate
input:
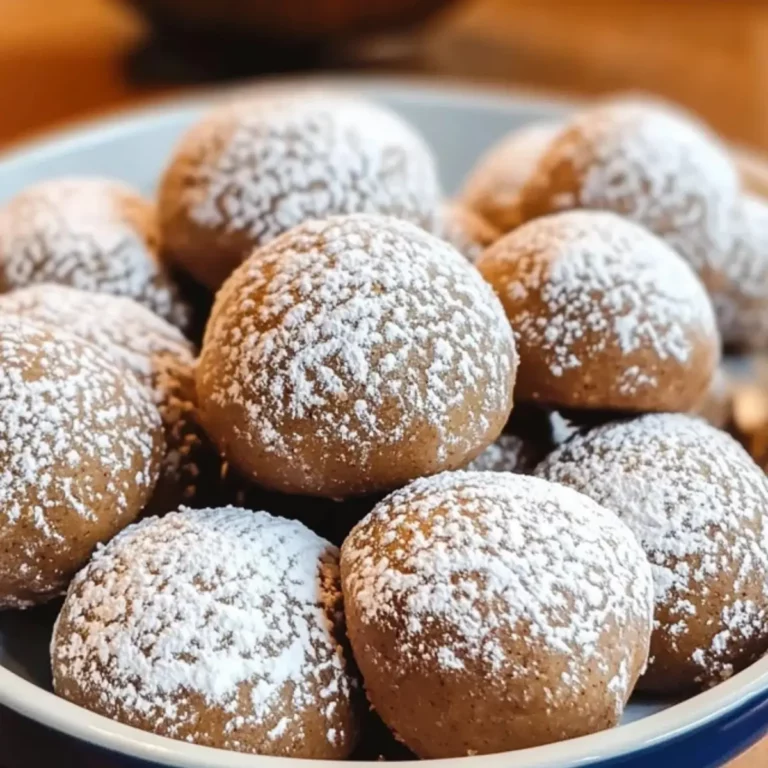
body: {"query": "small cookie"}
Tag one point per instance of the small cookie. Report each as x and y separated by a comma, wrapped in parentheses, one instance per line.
(220, 627)
(698, 505)
(253, 169)
(650, 164)
(154, 351)
(80, 448)
(489, 611)
(128, 331)
(740, 295)
(606, 316)
(93, 234)
(352, 355)
(496, 180)
(467, 232)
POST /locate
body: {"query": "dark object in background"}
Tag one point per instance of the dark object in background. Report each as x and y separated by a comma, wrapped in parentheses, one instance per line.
(294, 21)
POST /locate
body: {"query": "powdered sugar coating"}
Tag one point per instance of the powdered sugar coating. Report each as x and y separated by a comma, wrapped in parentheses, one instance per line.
(494, 580)
(257, 167)
(650, 164)
(509, 453)
(93, 234)
(216, 626)
(584, 287)
(697, 503)
(741, 296)
(345, 354)
(498, 176)
(80, 444)
(128, 331)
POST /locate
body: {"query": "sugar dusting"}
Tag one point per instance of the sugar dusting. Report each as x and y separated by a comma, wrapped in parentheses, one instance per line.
(368, 325)
(64, 407)
(127, 330)
(89, 233)
(657, 168)
(696, 502)
(603, 285)
(264, 165)
(741, 300)
(485, 559)
(509, 453)
(233, 608)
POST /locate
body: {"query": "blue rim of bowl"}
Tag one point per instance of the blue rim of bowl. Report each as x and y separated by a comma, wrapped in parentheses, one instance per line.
(47, 709)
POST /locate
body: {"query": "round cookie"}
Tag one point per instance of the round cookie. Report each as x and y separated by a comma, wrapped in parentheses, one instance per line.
(255, 168)
(606, 316)
(498, 176)
(649, 164)
(80, 447)
(489, 611)
(467, 232)
(740, 296)
(128, 331)
(352, 355)
(93, 234)
(697, 504)
(154, 351)
(221, 627)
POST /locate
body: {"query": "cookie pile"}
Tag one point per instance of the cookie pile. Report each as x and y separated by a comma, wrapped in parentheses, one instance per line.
(438, 481)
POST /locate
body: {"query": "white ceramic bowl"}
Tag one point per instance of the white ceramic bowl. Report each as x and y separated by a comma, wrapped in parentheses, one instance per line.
(459, 124)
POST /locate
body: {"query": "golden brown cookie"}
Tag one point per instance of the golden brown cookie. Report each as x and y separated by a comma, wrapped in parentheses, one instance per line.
(94, 234)
(650, 164)
(154, 351)
(80, 448)
(221, 627)
(128, 331)
(740, 294)
(352, 355)
(496, 180)
(606, 316)
(698, 505)
(489, 611)
(465, 230)
(253, 169)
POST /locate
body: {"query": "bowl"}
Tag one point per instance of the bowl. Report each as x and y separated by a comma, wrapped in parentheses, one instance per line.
(703, 731)
(290, 21)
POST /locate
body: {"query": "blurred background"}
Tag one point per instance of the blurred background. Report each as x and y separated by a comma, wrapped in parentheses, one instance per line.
(67, 59)
(64, 60)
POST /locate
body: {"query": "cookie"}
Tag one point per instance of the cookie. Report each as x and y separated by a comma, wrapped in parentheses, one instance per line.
(143, 344)
(650, 164)
(498, 176)
(352, 355)
(697, 504)
(220, 627)
(254, 168)
(606, 316)
(80, 446)
(489, 611)
(93, 234)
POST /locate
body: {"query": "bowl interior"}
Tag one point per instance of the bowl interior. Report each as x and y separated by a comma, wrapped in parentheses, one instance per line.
(135, 148)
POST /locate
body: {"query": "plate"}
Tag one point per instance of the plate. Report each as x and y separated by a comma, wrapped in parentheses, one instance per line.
(703, 731)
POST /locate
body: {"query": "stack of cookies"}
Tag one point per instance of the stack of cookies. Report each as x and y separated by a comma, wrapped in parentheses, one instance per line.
(332, 505)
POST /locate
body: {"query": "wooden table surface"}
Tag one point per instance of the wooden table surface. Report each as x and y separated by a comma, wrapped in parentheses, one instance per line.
(67, 59)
